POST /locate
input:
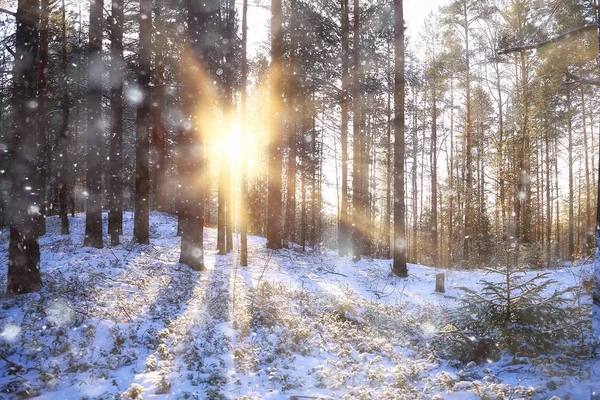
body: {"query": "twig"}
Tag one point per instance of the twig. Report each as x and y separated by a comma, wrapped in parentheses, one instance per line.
(14, 366)
(335, 273)
(5, 11)
(11, 51)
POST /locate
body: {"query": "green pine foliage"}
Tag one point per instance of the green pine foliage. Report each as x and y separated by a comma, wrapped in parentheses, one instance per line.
(520, 312)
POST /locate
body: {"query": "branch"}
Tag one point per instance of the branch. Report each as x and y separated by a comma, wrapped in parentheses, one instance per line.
(5, 11)
(575, 79)
(555, 39)
(12, 53)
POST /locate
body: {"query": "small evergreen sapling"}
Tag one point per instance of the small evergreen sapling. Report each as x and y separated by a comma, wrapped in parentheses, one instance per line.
(520, 312)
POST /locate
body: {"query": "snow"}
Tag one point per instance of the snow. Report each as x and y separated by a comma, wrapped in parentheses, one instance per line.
(131, 321)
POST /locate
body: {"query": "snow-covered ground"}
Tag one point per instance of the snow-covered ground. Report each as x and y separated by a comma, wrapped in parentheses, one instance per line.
(595, 378)
(130, 321)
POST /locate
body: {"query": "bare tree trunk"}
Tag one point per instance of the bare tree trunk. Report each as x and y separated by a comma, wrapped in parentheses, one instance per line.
(93, 220)
(290, 210)
(548, 200)
(64, 142)
(571, 247)
(468, 146)
(415, 192)
(313, 173)
(589, 229)
(158, 128)
(142, 142)
(451, 174)
(229, 109)
(357, 218)
(557, 195)
(244, 178)
(23, 274)
(275, 137)
(434, 233)
(344, 223)
(524, 159)
(501, 178)
(191, 148)
(42, 101)
(399, 266)
(388, 187)
(303, 172)
(115, 199)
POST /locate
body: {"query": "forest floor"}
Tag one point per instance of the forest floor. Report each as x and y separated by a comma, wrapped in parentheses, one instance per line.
(131, 322)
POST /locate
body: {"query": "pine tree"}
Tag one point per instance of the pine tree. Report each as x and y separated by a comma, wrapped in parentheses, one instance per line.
(400, 249)
(115, 196)
(23, 214)
(93, 220)
(274, 234)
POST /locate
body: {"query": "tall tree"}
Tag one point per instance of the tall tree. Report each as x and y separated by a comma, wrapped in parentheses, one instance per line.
(588, 244)
(358, 218)
(142, 143)
(63, 176)
(229, 113)
(571, 240)
(399, 265)
(461, 14)
(275, 132)
(290, 209)
(42, 100)
(93, 219)
(243, 105)
(115, 196)
(191, 147)
(224, 211)
(24, 251)
(344, 228)
(158, 102)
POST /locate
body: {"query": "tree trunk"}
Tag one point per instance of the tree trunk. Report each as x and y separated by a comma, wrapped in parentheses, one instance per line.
(557, 195)
(158, 128)
(229, 111)
(344, 223)
(290, 210)
(42, 101)
(524, 191)
(357, 218)
(303, 172)
(115, 197)
(275, 138)
(414, 169)
(589, 229)
(313, 173)
(571, 248)
(399, 266)
(244, 183)
(142, 137)
(468, 199)
(388, 181)
(93, 220)
(548, 200)
(434, 234)
(191, 148)
(24, 252)
(451, 174)
(64, 142)
(501, 150)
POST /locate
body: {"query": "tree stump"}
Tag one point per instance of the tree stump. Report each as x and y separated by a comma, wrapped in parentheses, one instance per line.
(439, 283)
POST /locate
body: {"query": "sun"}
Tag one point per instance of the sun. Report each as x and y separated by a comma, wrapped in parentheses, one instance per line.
(233, 143)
